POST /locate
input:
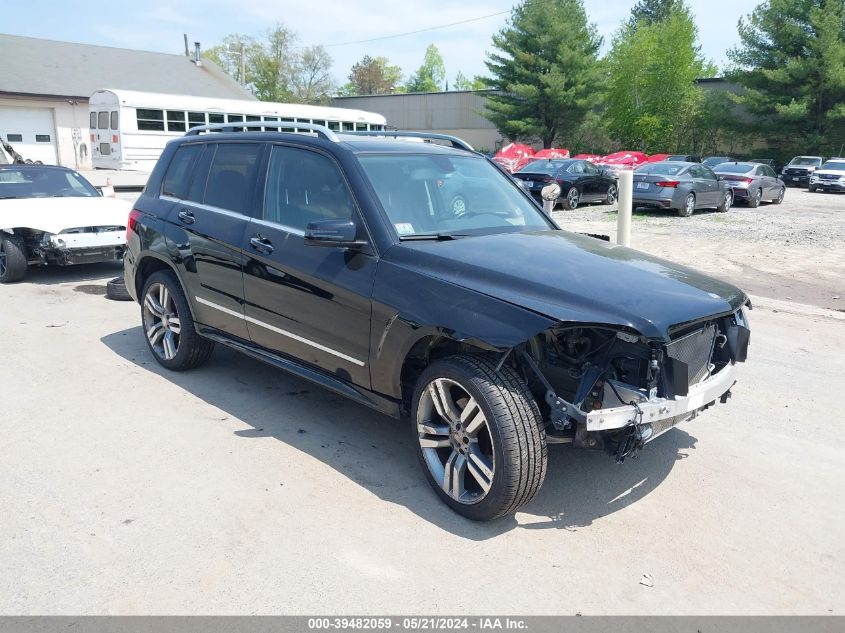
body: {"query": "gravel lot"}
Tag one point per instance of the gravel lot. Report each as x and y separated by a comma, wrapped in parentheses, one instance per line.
(233, 489)
(793, 251)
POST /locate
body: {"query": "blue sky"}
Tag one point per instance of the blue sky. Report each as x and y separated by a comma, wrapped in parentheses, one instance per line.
(159, 26)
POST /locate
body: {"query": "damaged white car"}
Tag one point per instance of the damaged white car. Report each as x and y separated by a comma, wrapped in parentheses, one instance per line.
(52, 215)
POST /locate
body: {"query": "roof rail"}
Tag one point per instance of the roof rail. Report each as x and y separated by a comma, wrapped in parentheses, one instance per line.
(456, 142)
(321, 130)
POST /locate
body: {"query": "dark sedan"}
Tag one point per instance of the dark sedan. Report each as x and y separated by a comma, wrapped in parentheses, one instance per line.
(752, 183)
(579, 180)
(680, 186)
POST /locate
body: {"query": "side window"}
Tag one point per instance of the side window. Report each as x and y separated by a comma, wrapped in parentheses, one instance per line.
(175, 121)
(303, 187)
(113, 122)
(178, 176)
(92, 121)
(150, 120)
(589, 168)
(576, 168)
(770, 172)
(707, 173)
(231, 175)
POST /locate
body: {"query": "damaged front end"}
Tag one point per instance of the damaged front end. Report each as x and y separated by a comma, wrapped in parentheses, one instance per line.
(80, 245)
(611, 388)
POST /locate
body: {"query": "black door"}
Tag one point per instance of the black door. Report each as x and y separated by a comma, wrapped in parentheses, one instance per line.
(209, 212)
(309, 302)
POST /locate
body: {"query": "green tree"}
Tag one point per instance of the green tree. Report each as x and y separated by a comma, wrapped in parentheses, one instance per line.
(791, 65)
(374, 76)
(650, 12)
(463, 83)
(652, 97)
(545, 65)
(431, 76)
(275, 69)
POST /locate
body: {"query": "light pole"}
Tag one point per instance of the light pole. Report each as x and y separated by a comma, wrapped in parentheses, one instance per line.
(241, 62)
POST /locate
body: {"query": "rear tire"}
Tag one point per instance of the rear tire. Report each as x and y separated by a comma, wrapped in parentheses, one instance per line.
(12, 259)
(755, 199)
(689, 206)
(572, 198)
(168, 325)
(479, 436)
(727, 202)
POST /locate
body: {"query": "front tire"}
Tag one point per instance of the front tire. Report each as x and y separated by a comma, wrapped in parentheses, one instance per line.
(479, 436)
(168, 325)
(12, 259)
(812, 189)
(782, 193)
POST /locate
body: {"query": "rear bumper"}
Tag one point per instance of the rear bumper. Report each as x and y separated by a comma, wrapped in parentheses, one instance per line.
(652, 203)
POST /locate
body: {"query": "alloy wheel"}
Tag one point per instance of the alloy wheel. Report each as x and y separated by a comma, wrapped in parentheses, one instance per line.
(455, 439)
(729, 199)
(611, 194)
(161, 321)
(2, 257)
(759, 196)
(572, 198)
(690, 204)
(782, 194)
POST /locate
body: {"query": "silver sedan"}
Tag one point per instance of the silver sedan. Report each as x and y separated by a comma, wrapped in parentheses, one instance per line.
(682, 187)
(752, 183)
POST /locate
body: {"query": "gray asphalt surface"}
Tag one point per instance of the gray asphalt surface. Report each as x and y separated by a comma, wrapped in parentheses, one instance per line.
(236, 488)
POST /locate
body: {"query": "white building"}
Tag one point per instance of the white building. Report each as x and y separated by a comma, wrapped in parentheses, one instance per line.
(45, 85)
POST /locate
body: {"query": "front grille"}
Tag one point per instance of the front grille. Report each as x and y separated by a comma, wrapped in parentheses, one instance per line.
(797, 172)
(695, 350)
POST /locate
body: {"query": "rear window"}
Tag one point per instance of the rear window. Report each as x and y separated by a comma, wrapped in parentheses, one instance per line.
(231, 175)
(661, 169)
(177, 180)
(541, 167)
(734, 168)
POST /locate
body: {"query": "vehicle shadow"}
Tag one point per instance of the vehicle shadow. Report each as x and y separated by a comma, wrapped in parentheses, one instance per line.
(53, 275)
(376, 451)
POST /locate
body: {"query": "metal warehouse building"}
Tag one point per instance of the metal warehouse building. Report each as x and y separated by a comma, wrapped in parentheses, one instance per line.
(45, 85)
(458, 113)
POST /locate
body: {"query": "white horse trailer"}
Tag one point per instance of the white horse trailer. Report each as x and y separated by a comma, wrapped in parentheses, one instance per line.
(130, 129)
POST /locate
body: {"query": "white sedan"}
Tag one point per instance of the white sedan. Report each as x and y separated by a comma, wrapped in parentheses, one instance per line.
(53, 216)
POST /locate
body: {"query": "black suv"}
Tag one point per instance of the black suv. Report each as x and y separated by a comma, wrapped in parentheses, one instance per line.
(345, 260)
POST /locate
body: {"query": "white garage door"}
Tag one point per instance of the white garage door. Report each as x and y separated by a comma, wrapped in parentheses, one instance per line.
(30, 131)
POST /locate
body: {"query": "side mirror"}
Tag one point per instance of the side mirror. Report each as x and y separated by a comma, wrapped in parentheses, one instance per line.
(719, 177)
(337, 233)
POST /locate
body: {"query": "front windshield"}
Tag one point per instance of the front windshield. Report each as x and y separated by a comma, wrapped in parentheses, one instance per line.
(549, 167)
(734, 168)
(835, 165)
(427, 194)
(661, 169)
(805, 160)
(30, 182)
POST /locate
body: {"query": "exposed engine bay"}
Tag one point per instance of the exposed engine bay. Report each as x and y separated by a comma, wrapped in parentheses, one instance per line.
(611, 388)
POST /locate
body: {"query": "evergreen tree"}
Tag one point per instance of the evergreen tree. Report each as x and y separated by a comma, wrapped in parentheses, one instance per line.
(545, 64)
(791, 64)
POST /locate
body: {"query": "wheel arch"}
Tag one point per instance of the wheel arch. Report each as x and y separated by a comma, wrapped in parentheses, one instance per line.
(149, 263)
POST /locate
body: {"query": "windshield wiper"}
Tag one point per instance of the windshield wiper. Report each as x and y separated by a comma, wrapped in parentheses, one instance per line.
(432, 236)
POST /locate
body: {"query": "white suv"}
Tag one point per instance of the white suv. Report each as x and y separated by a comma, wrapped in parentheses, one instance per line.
(830, 176)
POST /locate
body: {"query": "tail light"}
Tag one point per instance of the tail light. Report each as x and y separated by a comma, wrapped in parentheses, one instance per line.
(134, 215)
(742, 179)
(668, 183)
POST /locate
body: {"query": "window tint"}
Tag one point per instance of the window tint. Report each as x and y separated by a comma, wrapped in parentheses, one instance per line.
(150, 120)
(178, 176)
(661, 169)
(195, 119)
(216, 118)
(14, 138)
(707, 173)
(113, 123)
(198, 182)
(235, 118)
(303, 187)
(334, 126)
(589, 168)
(770, 172)
(102, 120)
(42, 138)
(348, 126)
(176, 121)
(92, 121)
(231, 175)
(576, 168)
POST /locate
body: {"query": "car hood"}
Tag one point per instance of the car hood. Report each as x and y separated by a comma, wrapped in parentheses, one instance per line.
(575, 278)
(54, 215)
(830, 172)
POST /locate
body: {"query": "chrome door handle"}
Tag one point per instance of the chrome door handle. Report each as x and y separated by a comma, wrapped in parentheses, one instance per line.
(186, 216)
(261, 244)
